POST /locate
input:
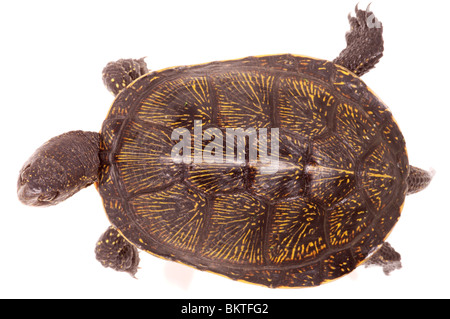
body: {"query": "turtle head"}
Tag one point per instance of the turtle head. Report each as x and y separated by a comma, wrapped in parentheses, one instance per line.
(59, 168)
(41, 182)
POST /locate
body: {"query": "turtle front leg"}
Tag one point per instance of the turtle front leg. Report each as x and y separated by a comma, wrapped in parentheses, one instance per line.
(386, 257)
(364, 43)
(115, 252)
(119, 74)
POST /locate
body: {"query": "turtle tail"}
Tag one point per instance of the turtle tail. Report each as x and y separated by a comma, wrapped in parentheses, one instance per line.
(418, 179)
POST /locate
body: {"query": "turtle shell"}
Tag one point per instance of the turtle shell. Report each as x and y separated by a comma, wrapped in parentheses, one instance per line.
(338, 191)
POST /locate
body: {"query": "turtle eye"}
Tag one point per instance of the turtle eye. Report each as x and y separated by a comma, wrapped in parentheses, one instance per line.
(48, 197)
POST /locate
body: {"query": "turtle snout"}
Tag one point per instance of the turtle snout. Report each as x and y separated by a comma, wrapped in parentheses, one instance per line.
(35, 197)
(31, 193)
(32, 196)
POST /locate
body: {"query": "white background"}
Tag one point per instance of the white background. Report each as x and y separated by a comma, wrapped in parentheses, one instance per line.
(51, 57)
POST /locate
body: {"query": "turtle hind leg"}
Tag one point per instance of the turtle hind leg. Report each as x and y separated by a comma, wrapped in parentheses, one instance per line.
(119, 74)
(116, 252)
(386, 257)
(364, 43)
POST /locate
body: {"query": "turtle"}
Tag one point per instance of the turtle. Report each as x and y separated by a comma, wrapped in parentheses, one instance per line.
(322, 204)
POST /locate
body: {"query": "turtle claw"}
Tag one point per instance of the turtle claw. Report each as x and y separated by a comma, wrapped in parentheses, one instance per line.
(363, 18)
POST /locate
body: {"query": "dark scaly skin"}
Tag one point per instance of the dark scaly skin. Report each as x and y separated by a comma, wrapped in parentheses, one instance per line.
(116, 252)
(364, 43)
(119, 74)
(385, 257)
(58, 169)
(418, 179)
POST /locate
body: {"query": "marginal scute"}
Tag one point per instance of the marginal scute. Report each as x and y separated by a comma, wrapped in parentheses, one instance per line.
(261, 276)
(305, 276)
(338, 264)
(106, 185)
(349, 85)
(375, 108)
(122, 104)
(116, 211)
(388, 220)
(320, 69)
(366, 245)
(389, 133)
(286, 62)
(109, 131)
